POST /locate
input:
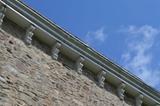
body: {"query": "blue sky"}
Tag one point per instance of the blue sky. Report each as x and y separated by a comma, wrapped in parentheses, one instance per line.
(126, 31)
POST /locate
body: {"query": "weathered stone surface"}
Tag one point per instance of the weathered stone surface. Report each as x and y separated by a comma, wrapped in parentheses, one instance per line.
(2, 14)
(29, 34)
(101, 78)
(55, 50)
(79, 65)
(121, 90)
(139, 100)
(30, 77)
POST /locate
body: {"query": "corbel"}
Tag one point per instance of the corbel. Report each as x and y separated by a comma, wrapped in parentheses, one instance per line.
(121, 90)
(29, 34)
(79, 65)
(2, 14)
(55, 50)
(101, 78)
(139, 100)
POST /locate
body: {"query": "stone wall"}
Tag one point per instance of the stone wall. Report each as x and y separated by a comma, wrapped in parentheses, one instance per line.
(29, 77)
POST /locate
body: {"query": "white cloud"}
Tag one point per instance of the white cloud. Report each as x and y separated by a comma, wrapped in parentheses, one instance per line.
(93, 37)
(138, 57)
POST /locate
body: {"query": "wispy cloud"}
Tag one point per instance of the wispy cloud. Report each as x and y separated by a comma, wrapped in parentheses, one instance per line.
(138, 56)
(98, 36)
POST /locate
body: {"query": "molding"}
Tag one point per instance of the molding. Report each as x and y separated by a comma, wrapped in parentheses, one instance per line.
(29, 34)
(101, 78)
(79, 65)
(55, 50)
(74, 44)
(139, 100)
(2, 14)
(121, 90)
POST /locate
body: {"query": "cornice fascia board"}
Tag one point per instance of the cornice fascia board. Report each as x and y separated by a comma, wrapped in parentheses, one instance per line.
(82, 49)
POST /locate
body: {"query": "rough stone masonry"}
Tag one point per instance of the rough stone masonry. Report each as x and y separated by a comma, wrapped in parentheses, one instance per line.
(30, 77)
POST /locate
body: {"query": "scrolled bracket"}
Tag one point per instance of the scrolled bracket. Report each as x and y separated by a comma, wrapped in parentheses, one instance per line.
(101, 78)
(29, 34)
(121, 90)
(2, 14)
(55, 50)
(79, 65)
(139, 100)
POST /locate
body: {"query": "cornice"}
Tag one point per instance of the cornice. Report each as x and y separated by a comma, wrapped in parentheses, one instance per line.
(75, 44)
